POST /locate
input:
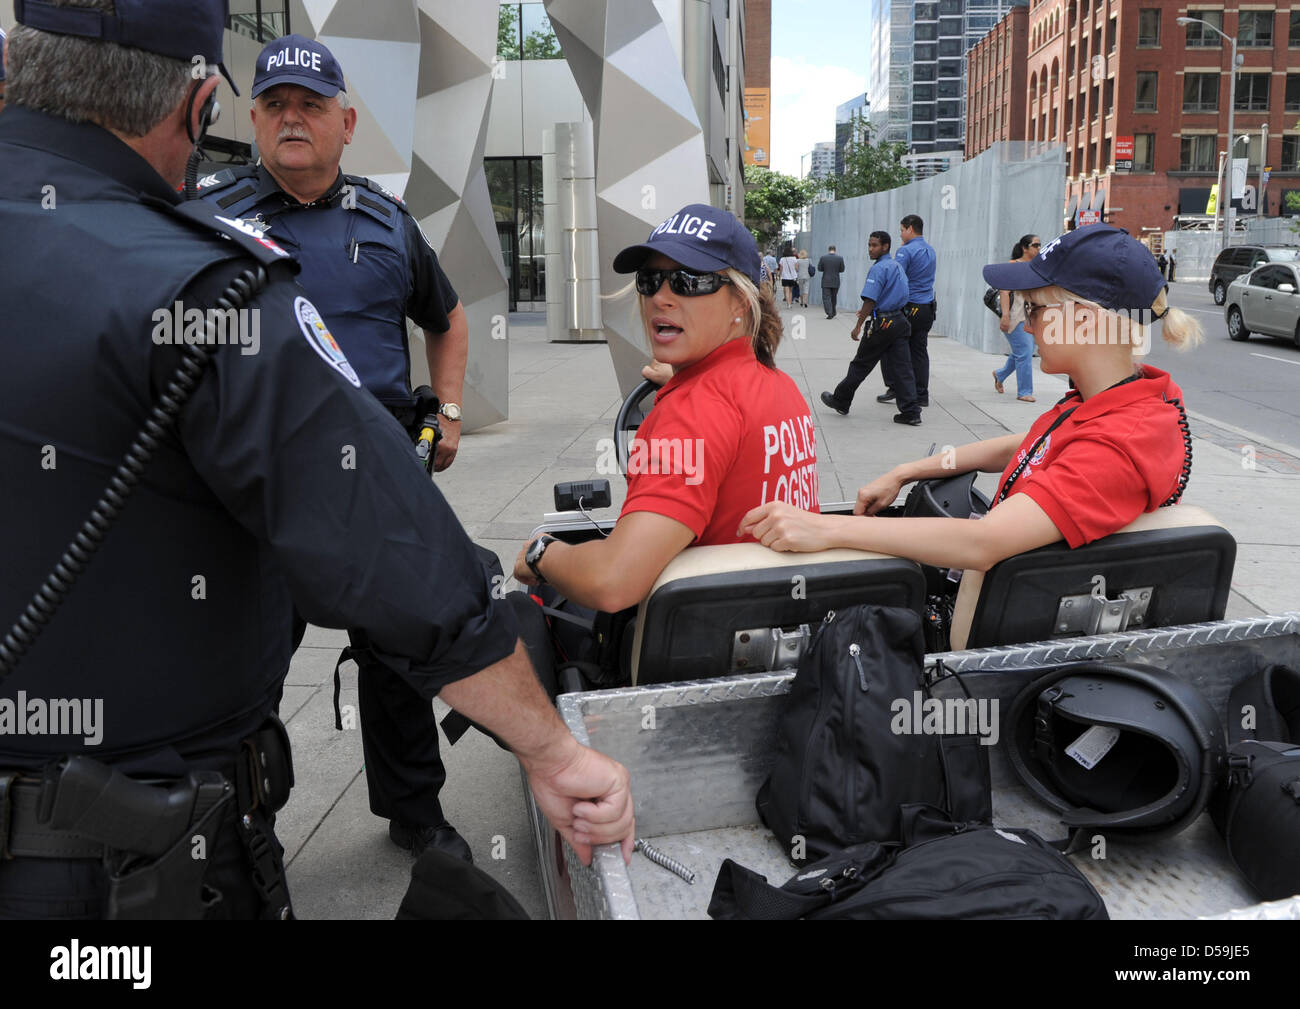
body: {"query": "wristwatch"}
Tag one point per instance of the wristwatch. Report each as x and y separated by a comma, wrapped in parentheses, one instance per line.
(450, 410)
(534, 555)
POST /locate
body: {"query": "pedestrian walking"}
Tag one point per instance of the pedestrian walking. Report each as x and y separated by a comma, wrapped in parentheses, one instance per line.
(830, 266)
(917, 258)
(883, 296)
(805, 272)
(1173, 263)
(789, 267)
(1012, 323)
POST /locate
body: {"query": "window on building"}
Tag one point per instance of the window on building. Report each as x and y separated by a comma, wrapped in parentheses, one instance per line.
(1197, 154)
(1201, 37)
(950, 110)
(922, 93)
(1252, 92)
(927, 11)
(924, 71)
(1293, 32)
(1145, 100)
(1254, 151)
(1144, 152)
(923, 132)
(1110, 97)
(524, 32)
(515, 189)
(950, 7)
(950, 47)
(1069, 63)
(1069, 113)
(950, 26)
(1255, 29)
(1094, 102)
(259, 20)
(1293, 92)
(950, 88)
(924, 53)
(1112, 31)
(1149, 27)
(1201, 93)
(950, 68)
(1290, 154)
(927, 32)
(1105, 154)
(947, 130)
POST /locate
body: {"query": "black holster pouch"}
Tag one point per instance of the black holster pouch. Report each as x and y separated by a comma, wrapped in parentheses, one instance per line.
(421, 420)
(152, 833)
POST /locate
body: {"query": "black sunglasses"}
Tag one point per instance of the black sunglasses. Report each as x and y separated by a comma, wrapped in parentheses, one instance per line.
(683, 283)
(1035, 245)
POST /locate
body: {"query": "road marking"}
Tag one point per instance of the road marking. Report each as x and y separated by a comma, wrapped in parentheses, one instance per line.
(1284, 360)
(1205, 311)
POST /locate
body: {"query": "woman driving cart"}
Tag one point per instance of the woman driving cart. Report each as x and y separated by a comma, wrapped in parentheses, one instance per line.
(729, 430)
(1114, 447)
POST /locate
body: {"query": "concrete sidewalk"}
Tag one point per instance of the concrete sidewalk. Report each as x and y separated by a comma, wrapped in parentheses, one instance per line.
(563, 400)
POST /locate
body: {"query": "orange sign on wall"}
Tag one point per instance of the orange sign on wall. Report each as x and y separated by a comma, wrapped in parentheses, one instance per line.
(758, 126)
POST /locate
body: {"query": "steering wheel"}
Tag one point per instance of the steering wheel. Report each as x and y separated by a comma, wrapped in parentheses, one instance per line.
(950, 497)
(631, 415)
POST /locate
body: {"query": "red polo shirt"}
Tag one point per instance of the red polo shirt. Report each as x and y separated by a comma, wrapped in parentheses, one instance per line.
(1119, 454)
(725, 436)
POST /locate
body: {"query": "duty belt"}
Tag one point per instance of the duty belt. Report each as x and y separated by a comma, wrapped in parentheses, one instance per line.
(892, 313)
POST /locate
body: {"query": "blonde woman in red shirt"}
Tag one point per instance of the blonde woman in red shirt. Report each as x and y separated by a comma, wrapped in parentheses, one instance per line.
(1113, 448)
(729, 430)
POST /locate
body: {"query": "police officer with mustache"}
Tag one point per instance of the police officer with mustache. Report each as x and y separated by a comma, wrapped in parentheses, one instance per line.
(368, 268)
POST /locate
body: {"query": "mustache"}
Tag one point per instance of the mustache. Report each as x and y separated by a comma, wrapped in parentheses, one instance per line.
(292, 133)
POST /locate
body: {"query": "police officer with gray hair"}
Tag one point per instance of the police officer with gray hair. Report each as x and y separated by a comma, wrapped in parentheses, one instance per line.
(224, 484)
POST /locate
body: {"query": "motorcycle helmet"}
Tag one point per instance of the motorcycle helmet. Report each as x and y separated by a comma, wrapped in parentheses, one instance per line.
(1123, 748)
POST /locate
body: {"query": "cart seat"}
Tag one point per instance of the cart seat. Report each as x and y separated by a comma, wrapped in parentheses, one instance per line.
(1170, 566)
(739, 607)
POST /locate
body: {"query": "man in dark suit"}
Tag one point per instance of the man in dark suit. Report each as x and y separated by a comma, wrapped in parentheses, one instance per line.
(830, 266)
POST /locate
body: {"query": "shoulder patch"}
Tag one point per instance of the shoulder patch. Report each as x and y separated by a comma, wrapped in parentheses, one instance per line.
(322, 340)
(243, 227)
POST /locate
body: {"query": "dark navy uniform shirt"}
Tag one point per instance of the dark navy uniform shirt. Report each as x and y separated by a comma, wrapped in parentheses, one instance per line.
(365, 263)
(917, 259)
(886, 285)
(283, 479)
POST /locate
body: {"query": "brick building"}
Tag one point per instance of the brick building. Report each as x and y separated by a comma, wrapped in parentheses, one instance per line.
(996, 84)
(1105, 70)
(757, 45)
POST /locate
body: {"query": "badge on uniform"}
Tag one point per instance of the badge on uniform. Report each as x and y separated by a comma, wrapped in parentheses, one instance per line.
(322, 340)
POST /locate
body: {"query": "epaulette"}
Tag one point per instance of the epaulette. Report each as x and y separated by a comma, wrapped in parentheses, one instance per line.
(382, 209)
(225, 178)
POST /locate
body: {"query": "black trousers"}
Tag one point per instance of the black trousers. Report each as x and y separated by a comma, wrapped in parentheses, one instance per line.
(829, 296)
(399, 738)
(921, 318)
(886, 340)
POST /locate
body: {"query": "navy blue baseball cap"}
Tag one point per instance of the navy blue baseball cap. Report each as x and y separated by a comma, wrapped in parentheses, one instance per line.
(699, 237)
(181, 29)
(295, 59)
(1101, 263)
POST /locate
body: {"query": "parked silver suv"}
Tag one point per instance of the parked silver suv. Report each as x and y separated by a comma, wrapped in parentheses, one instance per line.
(1265, 302)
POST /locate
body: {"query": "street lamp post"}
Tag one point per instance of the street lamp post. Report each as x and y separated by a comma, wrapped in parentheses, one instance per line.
(1229, 216)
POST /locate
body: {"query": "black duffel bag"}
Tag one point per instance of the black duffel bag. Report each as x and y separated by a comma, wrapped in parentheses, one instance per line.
(943, 871)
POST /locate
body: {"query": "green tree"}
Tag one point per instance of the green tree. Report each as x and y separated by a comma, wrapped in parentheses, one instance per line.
(870, 168)
(508, 33)
(771, 199)
(541, 43)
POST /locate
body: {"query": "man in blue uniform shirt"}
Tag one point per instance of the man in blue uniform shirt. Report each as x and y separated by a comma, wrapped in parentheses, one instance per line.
(368, 268)
(917, 258)
(178, 628)
(883, 296)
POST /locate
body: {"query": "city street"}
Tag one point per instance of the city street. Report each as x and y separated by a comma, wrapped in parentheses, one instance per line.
(1252, 385)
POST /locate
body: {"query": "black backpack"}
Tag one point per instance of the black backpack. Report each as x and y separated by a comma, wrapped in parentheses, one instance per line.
(1258, 813)
(943, 870)
(841, 771)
